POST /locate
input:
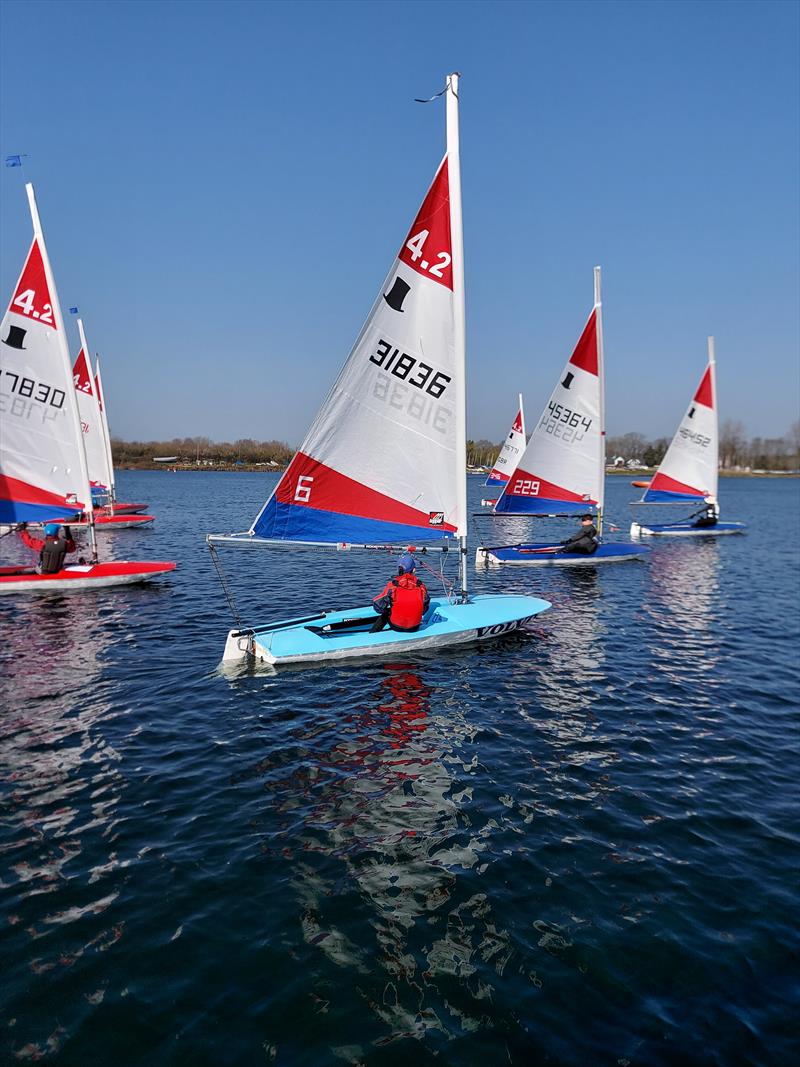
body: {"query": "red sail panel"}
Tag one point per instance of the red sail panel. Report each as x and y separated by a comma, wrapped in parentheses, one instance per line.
(80, 374)
(705, 391)
(428, 248)
(32, 295)
(585, 354)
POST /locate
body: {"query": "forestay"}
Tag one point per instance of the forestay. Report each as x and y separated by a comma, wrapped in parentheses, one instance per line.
(511, 452)
(89, 411)
(561, 470)
(381, 463)
(41, 473)
(689, 470)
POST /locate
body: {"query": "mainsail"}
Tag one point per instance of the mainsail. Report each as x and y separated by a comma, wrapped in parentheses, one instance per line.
(91, 422)
(383, 461)
(562, 469)
(98, 391)
(689, 470)
(511, 452)
(43, 471)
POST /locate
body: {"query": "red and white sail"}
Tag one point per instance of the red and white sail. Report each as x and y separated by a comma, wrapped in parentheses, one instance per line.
(690, 468)
(43, 471)
(91, 420)
(383, 461)
(511, 452)
(562, 470)
(101, 403)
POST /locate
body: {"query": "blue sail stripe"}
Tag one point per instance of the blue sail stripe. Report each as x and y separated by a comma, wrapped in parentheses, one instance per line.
(530, 505)
(290, 522)
(495, 481)
(662, 496)
(14, 511)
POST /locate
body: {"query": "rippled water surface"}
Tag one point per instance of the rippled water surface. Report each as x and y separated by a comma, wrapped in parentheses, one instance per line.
(575, 847)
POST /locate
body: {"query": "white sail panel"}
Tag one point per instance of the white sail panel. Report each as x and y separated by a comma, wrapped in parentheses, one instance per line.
(98, 391)
(511, 452)
(40, 457)
(689, 470)
(561, 468)
(380, 462)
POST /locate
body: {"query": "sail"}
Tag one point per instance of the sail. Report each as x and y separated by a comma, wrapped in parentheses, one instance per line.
(98, 392)
(41, 462)
(90, 420)
(689, 470)
(381, 462)
(511, 452)
(561, 470)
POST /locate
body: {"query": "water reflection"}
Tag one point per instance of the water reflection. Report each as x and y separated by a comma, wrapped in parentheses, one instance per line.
(61, 785)
(384, 817)
(682, 609)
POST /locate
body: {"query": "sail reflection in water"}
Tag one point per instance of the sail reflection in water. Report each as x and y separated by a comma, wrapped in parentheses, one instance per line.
(61, 790)
(390, 846)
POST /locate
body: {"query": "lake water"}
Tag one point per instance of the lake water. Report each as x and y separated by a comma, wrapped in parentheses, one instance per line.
(576, 847)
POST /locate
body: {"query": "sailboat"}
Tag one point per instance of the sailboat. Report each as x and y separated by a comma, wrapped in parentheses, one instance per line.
(107, 518)
(689, 472)
(113, 507)
(510, 454)
(383, 464)
(44, 474)
(562, 471)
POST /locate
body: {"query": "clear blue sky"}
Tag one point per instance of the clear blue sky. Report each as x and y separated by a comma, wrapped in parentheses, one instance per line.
(223, 186)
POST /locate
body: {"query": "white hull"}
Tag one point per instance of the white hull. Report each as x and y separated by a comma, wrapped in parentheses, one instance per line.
(720, 530)
(72, 585)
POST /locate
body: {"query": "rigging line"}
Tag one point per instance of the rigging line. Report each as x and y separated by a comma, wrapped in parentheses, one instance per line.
(223, 581)
(435, 95)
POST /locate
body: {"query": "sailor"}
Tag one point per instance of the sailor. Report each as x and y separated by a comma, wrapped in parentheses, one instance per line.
(404, 601)
(707, 517)
(52, 550)
(585, 541)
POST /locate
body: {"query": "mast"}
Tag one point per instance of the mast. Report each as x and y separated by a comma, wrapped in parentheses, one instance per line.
(712, 363)
(72, 399)
(459, 321)
(598, 305)
(106, 434)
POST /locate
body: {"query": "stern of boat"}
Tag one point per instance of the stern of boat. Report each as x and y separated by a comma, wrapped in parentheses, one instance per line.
(239, 647)
(486, 558)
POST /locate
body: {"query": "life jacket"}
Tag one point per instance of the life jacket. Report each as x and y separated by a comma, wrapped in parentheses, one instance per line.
(51, 558)
(408, 602)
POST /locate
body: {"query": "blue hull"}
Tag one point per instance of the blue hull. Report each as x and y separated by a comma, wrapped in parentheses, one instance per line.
(532, 555)
(337, 635)
(685, 529)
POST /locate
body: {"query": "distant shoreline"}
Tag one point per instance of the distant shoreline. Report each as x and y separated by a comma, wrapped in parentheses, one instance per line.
(634, 475)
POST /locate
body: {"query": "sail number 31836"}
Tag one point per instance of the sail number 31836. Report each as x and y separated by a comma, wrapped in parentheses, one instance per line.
(400, 364)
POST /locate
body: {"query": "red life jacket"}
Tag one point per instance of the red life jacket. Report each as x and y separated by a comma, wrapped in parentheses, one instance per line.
(408, 602)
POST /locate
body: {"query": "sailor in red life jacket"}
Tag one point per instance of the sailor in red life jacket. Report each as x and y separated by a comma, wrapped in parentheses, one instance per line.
(52, 550)
(404, 601)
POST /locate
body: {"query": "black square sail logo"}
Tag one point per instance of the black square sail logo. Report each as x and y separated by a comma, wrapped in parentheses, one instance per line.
(435, 518)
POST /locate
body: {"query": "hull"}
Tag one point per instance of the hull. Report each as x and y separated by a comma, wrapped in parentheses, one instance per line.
(339, 635)
(81, 576)
(685, 529)
(121, 509)
(110, 523)
(536, 555)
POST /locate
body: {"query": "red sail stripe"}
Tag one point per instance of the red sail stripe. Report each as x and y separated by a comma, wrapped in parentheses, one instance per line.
(522, 484)
(666, 484)
(33, 278)
(25, 493)
(332, 491)
(80, 374)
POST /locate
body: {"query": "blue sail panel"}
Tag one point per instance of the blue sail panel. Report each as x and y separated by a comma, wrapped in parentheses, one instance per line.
(292, 522)
(527, 505)
(663, 496)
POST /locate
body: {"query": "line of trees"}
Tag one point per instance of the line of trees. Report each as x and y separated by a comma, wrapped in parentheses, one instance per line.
(201, 451)
(737, 451)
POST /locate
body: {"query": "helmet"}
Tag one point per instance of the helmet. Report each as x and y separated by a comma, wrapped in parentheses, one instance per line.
(51, 529)
(406, 563)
